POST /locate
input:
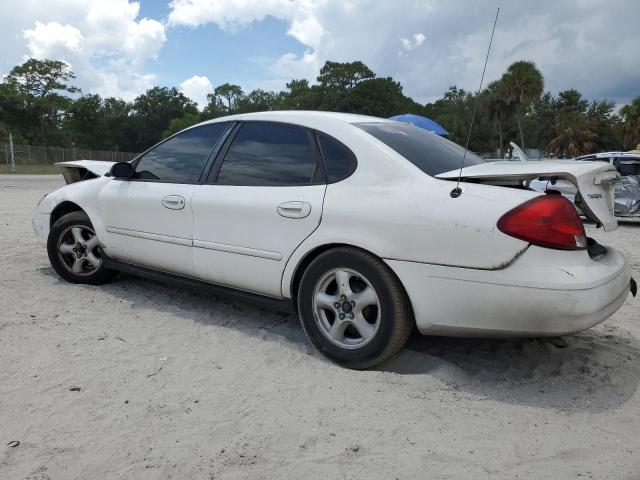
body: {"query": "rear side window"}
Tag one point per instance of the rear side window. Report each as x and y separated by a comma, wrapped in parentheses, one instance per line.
(429, 152)
(182, 158)
(339, 161)
(269, 154)
(593, 158)
(628, 166)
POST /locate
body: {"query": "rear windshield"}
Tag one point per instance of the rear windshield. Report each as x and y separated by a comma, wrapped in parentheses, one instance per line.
(429, 152)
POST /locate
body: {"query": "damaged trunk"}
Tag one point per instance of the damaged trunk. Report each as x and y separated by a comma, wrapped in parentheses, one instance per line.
(594, 182)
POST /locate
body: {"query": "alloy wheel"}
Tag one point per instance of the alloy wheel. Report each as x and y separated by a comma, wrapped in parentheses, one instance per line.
(346, 308)
(78, 250)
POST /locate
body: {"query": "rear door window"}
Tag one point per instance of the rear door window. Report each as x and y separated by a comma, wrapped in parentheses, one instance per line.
(181, 158)
(269, 154)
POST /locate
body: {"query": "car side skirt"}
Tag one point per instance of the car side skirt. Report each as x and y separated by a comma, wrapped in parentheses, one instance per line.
(276, 304)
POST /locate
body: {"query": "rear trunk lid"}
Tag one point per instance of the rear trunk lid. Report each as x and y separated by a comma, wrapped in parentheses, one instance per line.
(594, 181)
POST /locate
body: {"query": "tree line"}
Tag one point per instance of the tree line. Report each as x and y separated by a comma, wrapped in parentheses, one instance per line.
(40, 105)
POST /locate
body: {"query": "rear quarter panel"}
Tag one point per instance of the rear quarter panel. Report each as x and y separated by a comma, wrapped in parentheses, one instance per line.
(394, 210)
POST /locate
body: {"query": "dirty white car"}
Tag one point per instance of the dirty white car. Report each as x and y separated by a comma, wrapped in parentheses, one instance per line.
(352, 220)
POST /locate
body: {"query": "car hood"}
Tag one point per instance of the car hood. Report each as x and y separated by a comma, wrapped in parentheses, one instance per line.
(595, 181)
(78, 170)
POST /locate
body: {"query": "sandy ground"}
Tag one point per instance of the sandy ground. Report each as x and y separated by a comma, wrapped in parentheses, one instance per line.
(140, 380)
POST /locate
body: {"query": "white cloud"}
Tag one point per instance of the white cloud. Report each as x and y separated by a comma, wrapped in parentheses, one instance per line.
(121, 79)
(228, 14)
(45, 40)
(572, 42)
(105, 41)
(197, 88)
(415, 41)
(290, 66)
(576, 44)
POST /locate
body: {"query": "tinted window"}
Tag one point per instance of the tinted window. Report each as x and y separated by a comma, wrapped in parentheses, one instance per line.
(592, 158)
(182, 158)
(628, 166)
(339, 161)
(429, 152)
(268, 154)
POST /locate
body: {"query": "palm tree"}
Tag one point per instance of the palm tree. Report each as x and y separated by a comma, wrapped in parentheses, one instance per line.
(523, 84)
(572, 143)
(499, 109)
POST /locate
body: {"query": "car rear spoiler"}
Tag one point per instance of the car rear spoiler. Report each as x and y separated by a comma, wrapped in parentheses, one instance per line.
(595, 181)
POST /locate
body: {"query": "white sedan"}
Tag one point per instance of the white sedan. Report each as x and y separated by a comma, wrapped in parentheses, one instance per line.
(354, 221)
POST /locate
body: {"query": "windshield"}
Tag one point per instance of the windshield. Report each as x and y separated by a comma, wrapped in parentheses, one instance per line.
(429, 152)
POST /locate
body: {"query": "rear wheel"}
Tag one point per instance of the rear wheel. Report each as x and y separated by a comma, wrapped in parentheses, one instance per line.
(74, 250)
(353, 308)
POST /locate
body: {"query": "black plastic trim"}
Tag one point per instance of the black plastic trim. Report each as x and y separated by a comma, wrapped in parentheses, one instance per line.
(282, 305)
(212, 176)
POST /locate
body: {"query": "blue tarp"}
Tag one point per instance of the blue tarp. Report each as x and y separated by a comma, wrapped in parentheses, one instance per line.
(421, 122)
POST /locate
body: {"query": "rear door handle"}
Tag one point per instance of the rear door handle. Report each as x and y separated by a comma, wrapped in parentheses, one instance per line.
(173, 202)
(294, 209)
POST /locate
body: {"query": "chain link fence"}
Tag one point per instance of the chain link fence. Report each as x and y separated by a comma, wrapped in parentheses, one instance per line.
(28, 155)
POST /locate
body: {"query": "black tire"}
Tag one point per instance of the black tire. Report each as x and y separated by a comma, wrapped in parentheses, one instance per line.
(59, 261)
(395, 320)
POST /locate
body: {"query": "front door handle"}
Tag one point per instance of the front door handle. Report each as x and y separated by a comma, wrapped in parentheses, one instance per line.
(294, 209)
(173, 202)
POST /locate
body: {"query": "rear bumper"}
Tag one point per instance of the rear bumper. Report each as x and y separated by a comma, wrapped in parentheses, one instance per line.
(40, 223)
(543, 293)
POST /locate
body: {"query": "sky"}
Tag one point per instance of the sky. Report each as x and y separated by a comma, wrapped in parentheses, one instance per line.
(121, 47)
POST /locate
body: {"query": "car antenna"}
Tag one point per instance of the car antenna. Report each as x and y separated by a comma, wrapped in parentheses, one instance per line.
(457, 191)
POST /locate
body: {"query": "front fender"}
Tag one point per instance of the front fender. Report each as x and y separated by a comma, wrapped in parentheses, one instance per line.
(84, 194)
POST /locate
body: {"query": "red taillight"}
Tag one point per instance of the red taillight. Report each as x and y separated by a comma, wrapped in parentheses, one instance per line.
(549, 221)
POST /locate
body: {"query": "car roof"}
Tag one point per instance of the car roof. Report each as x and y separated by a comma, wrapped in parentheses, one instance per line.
(299, 116)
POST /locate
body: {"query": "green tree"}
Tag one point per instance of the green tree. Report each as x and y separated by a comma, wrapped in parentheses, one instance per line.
(380, 97)
(604, 123)
(180, 123)
(229, 93)
(38, 78)
(256, 101)
(299, 96)
(453, 111)
(214, 108)
(630, 127)
(98, 123)
(33, 99)
(573, 142)
(498, 110)
(153, 111)
(343, 76)
(523, 84)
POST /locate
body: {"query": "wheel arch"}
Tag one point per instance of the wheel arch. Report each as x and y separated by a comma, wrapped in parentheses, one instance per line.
(62, 209)
(312, 254)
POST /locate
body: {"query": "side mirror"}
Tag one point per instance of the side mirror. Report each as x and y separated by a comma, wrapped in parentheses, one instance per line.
(122, 170)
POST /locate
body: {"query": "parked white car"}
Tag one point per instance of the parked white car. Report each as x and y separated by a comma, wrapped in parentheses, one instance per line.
(627, 191)
(352, 220)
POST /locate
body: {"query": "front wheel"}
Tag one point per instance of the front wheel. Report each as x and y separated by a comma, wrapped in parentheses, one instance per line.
(353, 308)
(74, 250)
